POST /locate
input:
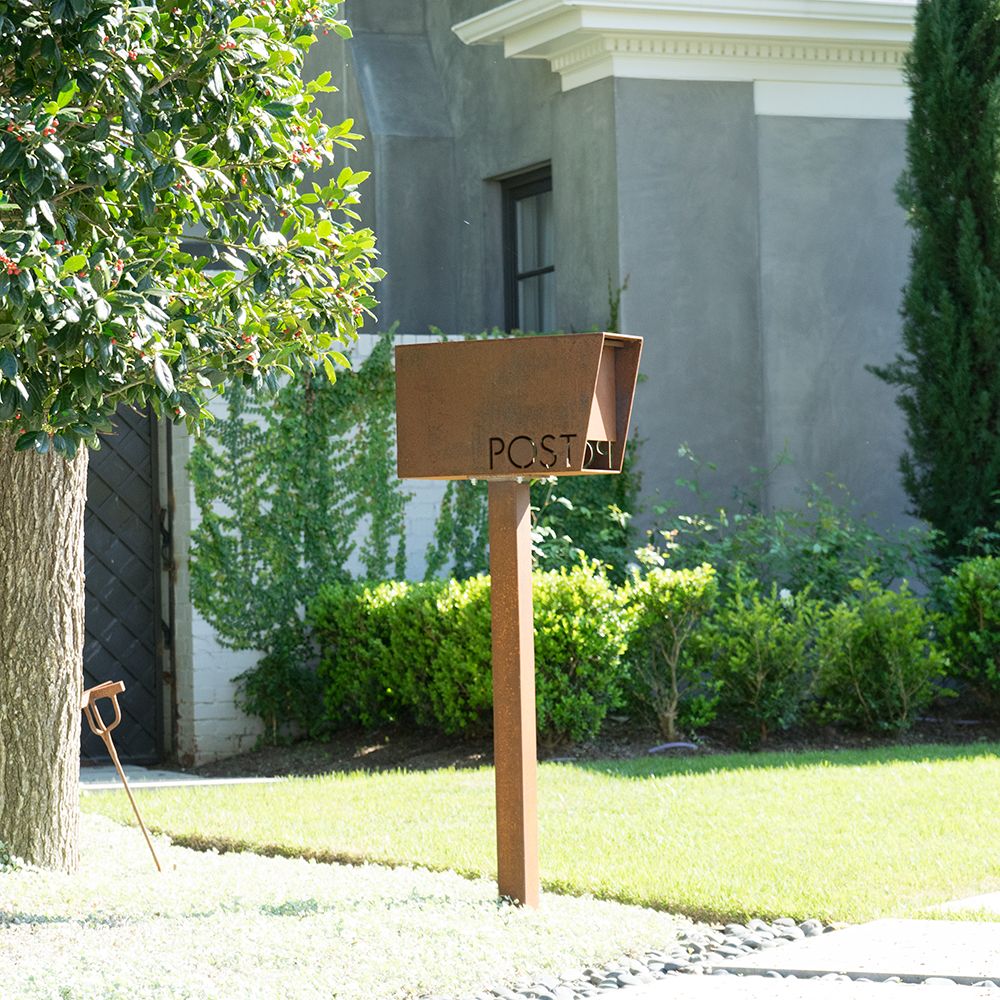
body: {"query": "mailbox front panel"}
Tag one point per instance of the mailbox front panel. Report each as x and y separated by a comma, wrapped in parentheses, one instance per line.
(500, 409)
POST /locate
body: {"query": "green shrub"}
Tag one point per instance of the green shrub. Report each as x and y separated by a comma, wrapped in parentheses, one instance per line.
(588, 517)
(415, 651)
(407, 626)
(761, 654)
(667, 607)
(457, 687)
(877, 663)
(581, 635)
(8, 862)
(351, 625)
(285, 694)
(822, 544)
(983, 540)
(423, 652)
(971, 628)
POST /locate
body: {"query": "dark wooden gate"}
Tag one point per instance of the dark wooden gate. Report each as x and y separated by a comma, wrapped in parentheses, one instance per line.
(123, 624)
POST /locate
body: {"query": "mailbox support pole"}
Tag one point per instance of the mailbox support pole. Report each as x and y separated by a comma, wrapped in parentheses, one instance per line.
(514, 746)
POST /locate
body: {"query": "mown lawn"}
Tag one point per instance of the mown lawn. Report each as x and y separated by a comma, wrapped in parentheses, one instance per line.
(243, 927)
(845, 836)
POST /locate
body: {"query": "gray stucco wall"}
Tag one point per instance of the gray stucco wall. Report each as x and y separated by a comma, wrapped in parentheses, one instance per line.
(446, 122)
(833, 259)
(764, 255)
(586, 195)
(687, 196)
(337, 57)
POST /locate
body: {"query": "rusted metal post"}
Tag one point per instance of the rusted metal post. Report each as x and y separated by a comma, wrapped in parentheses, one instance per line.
(504, 411)
(514, 747)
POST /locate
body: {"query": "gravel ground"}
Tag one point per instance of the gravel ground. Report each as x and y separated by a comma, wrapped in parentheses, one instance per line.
(242, 927)
(694, 951)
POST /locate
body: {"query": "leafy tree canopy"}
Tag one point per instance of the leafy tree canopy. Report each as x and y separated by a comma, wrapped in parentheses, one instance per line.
(156, 233)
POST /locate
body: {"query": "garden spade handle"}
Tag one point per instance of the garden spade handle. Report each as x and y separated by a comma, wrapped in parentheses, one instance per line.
(111, 689)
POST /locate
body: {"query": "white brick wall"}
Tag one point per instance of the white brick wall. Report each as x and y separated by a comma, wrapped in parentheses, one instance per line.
(209, 725)
(208, 722)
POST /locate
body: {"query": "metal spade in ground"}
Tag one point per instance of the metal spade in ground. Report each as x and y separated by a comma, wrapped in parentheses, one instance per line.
(88, 704)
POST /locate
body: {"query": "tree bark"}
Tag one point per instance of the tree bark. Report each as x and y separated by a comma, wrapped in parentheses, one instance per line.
(42, 499)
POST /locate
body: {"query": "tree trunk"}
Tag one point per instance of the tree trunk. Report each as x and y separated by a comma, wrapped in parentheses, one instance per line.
(42, 499)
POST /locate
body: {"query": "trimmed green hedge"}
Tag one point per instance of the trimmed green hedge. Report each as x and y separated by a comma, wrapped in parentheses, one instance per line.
(970, 631)
(678, 645)
(668, 678)
(759, 646)
(422, 651)
(878, 664)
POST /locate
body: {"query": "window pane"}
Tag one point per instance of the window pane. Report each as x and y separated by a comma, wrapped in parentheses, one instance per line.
(537, 302)
(534, 231)
(547, 310)
(527, 300)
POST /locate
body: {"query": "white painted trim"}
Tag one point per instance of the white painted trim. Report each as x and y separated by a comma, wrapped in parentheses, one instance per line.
(831, 100)
(832, 58)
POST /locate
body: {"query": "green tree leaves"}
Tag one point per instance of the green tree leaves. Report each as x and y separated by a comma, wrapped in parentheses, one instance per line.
(156, 227)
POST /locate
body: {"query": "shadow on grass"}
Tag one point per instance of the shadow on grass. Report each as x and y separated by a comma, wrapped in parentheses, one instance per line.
(10, 918)
(561, 887)
(651, 766)
(557, 886)
(237, 845)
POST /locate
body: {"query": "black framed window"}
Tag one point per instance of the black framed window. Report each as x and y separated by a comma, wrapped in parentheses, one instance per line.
(529, 258)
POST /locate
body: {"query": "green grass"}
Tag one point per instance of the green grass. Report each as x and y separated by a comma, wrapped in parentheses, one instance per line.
(845, 836)
(243, 927)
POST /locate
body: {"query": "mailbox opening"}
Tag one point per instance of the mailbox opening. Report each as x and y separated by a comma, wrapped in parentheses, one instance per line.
(597, 456)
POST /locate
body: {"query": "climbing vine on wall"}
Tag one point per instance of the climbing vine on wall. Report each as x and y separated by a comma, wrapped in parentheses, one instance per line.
(570, 516)
(289, 487)
(460, 532)
(588, 515)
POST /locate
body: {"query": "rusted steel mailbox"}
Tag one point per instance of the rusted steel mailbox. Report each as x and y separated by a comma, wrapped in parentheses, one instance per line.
(509, 411)
(529, 407)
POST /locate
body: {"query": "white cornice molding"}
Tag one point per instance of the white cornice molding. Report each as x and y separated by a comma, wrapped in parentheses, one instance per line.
(830, 58)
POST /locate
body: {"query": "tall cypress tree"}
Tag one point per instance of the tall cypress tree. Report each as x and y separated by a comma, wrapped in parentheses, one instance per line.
(949, 370)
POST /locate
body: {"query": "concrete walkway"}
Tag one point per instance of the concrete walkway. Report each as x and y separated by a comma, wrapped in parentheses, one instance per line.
(761, 988)
(104, 777)
(883, 960)
(913, 951)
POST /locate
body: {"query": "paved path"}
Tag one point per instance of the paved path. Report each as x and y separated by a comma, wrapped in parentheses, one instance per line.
(883, 960)
(911, 950)
(104, 777)
(761, 988)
